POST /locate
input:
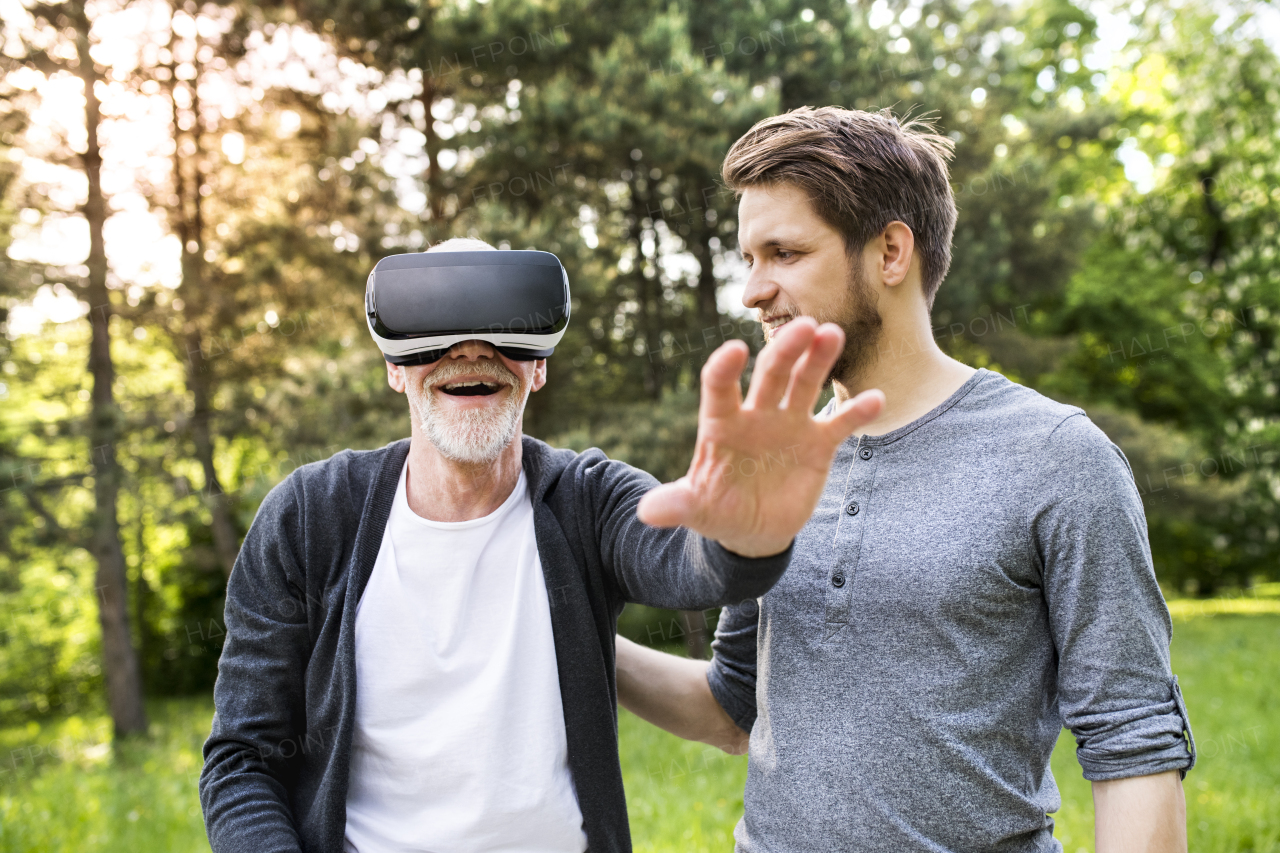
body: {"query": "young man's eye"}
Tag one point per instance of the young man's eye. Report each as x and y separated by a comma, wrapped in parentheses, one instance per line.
(784, 255)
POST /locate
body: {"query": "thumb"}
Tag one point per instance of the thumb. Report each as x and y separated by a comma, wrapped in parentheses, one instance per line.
(670, 505)
(859, 411)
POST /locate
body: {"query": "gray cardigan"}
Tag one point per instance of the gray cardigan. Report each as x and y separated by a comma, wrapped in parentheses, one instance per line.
(276, 762)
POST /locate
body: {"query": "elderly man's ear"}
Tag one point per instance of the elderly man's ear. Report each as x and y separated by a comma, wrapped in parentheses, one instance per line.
(395, 377)
(539, 374)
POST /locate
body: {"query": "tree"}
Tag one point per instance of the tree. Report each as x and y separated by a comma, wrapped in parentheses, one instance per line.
(1176, 307)
(68, 41)
(284, 230)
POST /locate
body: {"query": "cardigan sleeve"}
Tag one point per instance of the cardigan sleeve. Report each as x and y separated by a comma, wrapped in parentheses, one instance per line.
(672, 568)
(259, 696)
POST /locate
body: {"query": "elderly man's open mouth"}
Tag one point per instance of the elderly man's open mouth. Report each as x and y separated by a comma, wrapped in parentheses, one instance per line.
(472, 387)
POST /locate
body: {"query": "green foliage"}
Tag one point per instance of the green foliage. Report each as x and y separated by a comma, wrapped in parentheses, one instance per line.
(1175, 308)
(596, 132)
(48, 625)
(657, 437)
(1193, 501)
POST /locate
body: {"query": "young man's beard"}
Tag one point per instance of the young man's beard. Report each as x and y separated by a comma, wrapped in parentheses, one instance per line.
(862, 325)
(469, 436)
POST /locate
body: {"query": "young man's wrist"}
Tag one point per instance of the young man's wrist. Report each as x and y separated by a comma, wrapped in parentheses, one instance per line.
(755, 549)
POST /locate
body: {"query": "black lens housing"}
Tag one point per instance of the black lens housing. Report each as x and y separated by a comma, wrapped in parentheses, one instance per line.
(431, 356)
(419, 305)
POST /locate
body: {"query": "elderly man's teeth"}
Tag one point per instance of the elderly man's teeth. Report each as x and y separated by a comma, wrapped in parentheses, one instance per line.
(470, 388)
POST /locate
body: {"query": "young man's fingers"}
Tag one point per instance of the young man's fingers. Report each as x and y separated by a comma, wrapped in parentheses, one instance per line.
(773, 366)
(852, 414)
(721, 392)
(810, 373)
(670, 505)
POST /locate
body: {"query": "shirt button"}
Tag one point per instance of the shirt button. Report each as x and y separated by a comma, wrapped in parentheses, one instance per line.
(852, 508)
(865, 453)
(837, 581)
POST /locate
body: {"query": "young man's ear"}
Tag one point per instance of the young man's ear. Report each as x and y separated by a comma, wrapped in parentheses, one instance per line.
(893, 252)
(395, 377)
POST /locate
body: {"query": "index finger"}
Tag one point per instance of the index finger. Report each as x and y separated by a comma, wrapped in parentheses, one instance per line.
(721, 392)
(811, 372)
(776, 362)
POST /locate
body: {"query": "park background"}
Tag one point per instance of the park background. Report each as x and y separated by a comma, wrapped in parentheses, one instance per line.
(191, 197)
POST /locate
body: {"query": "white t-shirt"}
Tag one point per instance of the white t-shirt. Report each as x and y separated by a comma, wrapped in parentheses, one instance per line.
(459, 743)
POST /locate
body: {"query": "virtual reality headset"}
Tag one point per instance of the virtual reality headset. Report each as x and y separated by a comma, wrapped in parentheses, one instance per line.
(419, 305)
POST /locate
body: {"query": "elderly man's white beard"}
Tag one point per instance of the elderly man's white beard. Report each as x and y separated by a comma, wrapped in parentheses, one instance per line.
(471, 436)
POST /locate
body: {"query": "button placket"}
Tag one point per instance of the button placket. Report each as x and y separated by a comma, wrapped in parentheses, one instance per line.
(847, 539)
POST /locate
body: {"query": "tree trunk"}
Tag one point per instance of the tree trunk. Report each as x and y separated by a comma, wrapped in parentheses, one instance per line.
(141, 591)
(119, 660)
(708, 309)
(1219, 236)
(188, 222)
(647, 321)
(226, 543)
(431, 91)
(435, 194)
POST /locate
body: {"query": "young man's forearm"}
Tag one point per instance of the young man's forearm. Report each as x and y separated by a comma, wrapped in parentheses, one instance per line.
(1142, 814)
(672, 693)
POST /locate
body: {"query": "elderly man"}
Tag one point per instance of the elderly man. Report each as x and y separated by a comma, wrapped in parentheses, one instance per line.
(419, 650)
(975, 576)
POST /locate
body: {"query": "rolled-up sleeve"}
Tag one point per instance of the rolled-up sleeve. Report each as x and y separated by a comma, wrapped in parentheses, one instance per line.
(732, 674)
(1111, 628)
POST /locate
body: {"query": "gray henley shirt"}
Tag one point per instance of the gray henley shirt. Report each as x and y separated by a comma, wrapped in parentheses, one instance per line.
(969, 584)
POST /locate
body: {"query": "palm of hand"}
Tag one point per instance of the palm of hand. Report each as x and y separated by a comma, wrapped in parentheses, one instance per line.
(759, 466)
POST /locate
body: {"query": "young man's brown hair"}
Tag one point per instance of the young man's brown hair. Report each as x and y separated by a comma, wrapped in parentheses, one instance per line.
(862, 170)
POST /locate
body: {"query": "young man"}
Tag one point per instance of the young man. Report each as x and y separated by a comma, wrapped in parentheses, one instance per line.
(976, 574)
(419, 650)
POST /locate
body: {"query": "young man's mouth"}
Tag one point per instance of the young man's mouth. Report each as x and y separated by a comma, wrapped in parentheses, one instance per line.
(776, 322)
(471, 388)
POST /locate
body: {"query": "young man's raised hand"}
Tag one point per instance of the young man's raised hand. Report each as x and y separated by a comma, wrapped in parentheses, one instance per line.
(760, 465)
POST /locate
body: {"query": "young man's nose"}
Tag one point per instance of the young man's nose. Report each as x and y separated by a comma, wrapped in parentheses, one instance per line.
(760, 289)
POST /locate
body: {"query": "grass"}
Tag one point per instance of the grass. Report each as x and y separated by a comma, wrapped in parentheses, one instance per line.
(63, 788)
(680, 795)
